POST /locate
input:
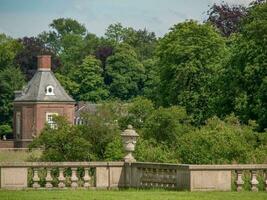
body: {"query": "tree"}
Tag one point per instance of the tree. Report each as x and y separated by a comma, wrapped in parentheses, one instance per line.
(89, 77)
(143, 41)
(8, 51)
(166, 125)
(27, 57)
(65, 143)
(102, 131)
(64, 26)
(226, 18)
(138, 110)
(125, 74)
(68, 84)
(246, 70)
(116, 32)
(152, 79)
(68, 39)
(11, 79)
(221, 142)
(190, 56)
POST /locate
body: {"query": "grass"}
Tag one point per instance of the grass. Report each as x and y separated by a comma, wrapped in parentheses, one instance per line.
(19, 155)
(127, 195)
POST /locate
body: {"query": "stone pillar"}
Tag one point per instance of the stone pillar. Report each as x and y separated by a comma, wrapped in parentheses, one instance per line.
(86, 178)
(239, 181)
(254, 182)
(61, 178)
(48, 179)
(35, 178)
(74, 178)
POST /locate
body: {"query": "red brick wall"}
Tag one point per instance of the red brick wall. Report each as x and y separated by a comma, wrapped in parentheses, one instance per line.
(33, 116)
(66, 110)
(6, 144)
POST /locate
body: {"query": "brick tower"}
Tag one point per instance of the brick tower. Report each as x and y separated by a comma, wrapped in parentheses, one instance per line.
(38, 102)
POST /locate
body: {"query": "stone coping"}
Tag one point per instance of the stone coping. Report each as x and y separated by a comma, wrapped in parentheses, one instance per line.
(204, 167)
(137, 164)
(61, 164)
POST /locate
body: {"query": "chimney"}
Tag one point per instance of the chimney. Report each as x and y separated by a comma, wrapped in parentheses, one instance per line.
(18, 93)
(44, 62)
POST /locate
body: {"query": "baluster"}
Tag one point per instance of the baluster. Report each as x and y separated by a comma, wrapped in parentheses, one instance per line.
(254, 182)
(157, 178)
(35, 178)
(86, 178)
(161, 179)
(48, 178)
(74, 178)
(239, 181)
(61, 178)
(166, 178)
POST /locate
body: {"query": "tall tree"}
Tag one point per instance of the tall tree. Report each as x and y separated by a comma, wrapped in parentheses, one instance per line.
(89, 76)
(190, 57)
(9, 48)
(226, 17)
(27, 57)
(125, 73)
(11, 79)
(246, 71)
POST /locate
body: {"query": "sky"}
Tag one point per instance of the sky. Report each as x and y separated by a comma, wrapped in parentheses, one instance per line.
(19, 18)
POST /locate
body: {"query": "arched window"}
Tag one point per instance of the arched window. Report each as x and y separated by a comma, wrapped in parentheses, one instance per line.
(49, 90)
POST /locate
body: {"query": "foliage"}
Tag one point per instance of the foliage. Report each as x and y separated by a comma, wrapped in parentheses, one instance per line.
(65, 143)
(8, 50)
(11, 79)
(125, 73)
(152, 80)
(226, 18)
(68, 84)
(220, 142)
(246, 71)
(114, 149)
(167, 125)
(138, 111)
(5, 129)
(101, 129)
(152, 151)
(27, 57)
(90, 80)
(190, 57)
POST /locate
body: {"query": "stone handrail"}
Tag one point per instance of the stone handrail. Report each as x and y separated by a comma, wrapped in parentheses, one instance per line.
(132, 174)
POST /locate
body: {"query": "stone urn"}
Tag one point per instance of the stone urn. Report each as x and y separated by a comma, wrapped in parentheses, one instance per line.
(129, 139)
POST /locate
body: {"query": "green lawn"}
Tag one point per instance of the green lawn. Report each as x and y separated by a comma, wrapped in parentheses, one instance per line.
(127, 194)
(19, 156)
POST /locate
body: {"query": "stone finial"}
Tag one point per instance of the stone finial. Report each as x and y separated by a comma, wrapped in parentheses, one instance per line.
(129, 139)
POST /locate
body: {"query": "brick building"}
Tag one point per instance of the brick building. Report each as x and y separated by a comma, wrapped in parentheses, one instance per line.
(38, 102)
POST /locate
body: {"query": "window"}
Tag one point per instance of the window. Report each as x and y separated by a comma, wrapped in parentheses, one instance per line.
(18, 124)
(49, 90)
(50, 121)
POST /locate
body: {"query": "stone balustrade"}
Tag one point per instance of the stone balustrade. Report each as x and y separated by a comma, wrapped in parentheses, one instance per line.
(132, 175)
(61, 174)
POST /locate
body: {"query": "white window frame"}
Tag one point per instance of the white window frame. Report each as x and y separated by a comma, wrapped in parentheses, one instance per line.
(48, 92)
(49, 119)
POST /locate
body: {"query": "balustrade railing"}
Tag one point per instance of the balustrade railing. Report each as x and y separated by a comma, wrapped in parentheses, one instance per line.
(62, 175)
(137, 174)
(157, 176)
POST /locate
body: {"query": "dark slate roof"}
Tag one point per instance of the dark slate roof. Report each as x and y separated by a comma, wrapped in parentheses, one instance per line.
(35, 89)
